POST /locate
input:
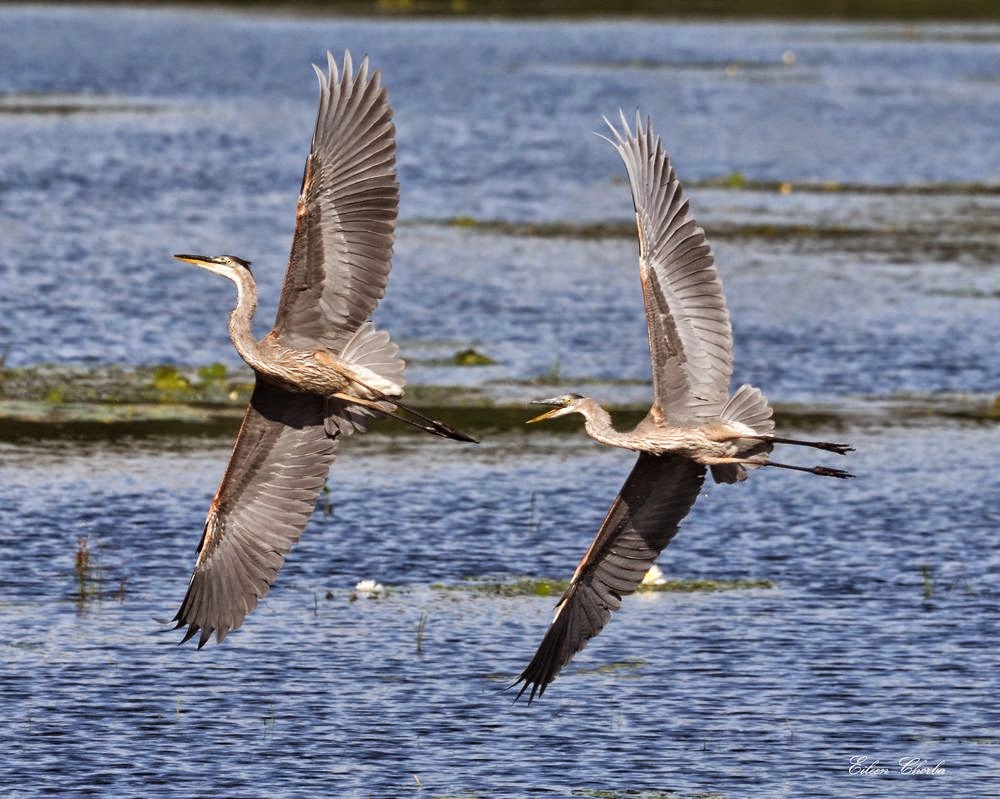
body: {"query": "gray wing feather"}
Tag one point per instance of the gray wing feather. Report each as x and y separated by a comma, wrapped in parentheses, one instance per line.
(690, 337)
(346, 215)
(657, 495)
(275, 475)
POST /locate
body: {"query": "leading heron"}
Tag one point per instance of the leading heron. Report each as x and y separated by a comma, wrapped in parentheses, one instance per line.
(323, 371)
(693, 424)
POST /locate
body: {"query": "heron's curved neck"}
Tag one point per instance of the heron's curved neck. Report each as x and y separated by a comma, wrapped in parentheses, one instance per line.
(240, 320)
(597, 422)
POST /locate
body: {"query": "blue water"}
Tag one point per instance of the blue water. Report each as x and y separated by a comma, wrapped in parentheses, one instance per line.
(129, 135)
(208, 118)
(766, 692)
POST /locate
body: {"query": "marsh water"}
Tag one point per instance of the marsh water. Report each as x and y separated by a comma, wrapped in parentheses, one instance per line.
(849, 178)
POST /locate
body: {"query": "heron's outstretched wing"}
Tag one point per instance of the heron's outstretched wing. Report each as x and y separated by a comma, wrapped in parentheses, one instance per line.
(655, 498)
(690, 338)
(346, 215)
(276, 472)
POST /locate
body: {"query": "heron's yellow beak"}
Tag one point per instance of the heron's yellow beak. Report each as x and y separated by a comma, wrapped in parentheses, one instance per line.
(197, 260)
(547, 415)
(563, 405)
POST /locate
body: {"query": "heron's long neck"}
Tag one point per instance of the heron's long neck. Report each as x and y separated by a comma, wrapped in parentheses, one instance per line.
(597, 422)
(240, 329)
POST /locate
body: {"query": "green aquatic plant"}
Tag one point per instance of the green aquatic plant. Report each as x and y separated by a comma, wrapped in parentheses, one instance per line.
(213, 373)
(735, 180)
(472, 357)
(170, 383)
(542, 586)
(706, 585)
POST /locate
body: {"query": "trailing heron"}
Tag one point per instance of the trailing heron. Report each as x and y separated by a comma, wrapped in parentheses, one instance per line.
(694, 424)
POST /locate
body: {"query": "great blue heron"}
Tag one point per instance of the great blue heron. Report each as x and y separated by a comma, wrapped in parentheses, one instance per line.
(692, 424)
(323, 371)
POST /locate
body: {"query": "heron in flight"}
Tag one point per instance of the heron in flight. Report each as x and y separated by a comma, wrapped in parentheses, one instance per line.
(693, 424)
(323, 371)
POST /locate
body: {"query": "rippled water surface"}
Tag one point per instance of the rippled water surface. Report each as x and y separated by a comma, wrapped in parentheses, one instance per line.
(756, 692)
(130, 135)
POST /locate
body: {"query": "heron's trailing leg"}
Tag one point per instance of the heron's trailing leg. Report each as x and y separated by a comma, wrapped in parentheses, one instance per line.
(432, 425)
(822, 471)
(840, 449)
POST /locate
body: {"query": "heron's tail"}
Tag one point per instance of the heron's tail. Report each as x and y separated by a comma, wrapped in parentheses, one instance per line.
(747, 406)
(375, 351)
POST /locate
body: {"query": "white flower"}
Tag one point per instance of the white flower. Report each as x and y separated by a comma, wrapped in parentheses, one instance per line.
(654, 576)
(370, 589)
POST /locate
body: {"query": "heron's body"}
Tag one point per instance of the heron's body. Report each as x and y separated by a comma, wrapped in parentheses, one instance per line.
(694, 424)
(323, 371)
(706, 444)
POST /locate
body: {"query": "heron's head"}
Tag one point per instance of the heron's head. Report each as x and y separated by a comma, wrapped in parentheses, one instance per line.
(226, 265)
(564, 404)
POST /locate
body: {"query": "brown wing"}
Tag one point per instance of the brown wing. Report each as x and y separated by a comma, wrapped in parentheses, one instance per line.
(346, 216)
(276, 472)
(690, 337)
(643, 519)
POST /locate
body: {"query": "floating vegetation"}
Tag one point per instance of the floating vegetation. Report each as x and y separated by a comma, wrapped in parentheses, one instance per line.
(472, 357)
(170, 383)
(41, 103)
(213, 373)
(735, 180)
(706, 585)
(525, 586)
(542, 586)
(821, 9)
(601, 231)
(207, 385)
(59, 402)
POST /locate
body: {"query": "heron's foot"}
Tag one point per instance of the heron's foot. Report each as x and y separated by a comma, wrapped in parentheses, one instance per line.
(446, 431)
(829, 471)
(393, 407)
(840, 449)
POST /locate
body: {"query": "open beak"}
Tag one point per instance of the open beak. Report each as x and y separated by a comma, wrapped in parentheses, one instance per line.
(559, 410)
(198, 260)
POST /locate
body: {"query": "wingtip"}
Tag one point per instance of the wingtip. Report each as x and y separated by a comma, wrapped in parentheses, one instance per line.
(321, 77)
(525, 683)
(363, 69)
(628, 130)
(620, 138)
